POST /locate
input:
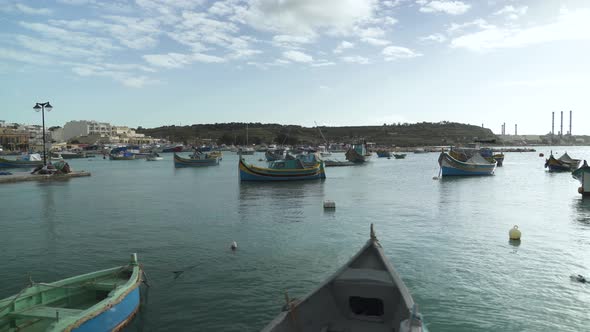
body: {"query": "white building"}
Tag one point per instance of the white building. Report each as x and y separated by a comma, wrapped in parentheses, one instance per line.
(84, 128)
(57, 135)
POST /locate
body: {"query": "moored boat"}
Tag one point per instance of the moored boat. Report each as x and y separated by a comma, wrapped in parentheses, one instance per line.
(366, 294)
(153, 157)
(383, 154)
(565, 163)
(25, 161)
(399, 155)
(499, 158)
(582, 174)
(281, 170)
(196, 160)
(357, 153)
(246, 151)
(338, 163)
(274, 154)
(99, 301)
(122, 156)
(455, 163)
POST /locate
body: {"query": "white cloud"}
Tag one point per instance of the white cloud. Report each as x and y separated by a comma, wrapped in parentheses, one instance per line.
(477, 23)
(511, 12)
(25, 57)
(178, 60)
(124, 77)
(444, 6)
(376, 41)
(323, 63)
(570, 26)
(292, 41)
(435, 37)
(392, 53)
(33, 11)
(343, 46)
(355, 59)
(297, 56)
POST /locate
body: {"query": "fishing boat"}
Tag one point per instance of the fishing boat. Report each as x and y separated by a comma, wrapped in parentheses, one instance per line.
(246, 150)
(177, 148)
(499, 158)
(357, 153)
(274, 154)
(383, 154)
(281, 170)
(25, 161)
(464, 162)
(366, 294)
(99, 301)
(399, 155)
(338, 163)
(565, 163)
(582, 174)
(153, 157)
(308, 159)
(73, 155)
(197, 159)
(122, 156)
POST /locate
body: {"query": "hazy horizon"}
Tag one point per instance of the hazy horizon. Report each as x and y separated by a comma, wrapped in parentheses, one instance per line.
(338, 63)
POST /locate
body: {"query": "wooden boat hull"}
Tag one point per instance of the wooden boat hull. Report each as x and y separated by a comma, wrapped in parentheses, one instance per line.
(180, 162)
(399, 156)
(453, 167)
(582, 174)
(337, 163)
(254, 173)
(99, 301)
(5, 163)
(366, 294)
(558, 165)
(353, 156)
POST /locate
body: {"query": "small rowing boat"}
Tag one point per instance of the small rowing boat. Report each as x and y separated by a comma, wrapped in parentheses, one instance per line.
(196, 160)
(99, 301)
(465, 162)
(366, 294)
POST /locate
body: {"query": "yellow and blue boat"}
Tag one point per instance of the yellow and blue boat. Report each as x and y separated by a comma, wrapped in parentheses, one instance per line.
(455, 163)
(196, 160)
(99, 301)
(281, 170)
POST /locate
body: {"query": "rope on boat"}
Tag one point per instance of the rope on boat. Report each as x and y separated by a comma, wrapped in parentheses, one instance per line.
(145, 280)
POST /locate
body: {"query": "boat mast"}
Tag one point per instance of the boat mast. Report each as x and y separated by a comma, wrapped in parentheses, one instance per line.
(320, 130)
(246, 134)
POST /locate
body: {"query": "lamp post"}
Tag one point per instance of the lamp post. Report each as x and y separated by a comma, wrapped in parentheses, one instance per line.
(43, 107)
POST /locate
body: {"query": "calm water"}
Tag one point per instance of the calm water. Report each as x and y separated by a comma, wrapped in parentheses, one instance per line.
(448, 239)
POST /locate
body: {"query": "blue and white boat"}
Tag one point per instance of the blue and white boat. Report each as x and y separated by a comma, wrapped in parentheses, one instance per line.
(95, 302)
(458, 163)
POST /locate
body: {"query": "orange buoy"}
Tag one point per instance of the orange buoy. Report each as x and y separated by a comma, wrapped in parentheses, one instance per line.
(541, 155)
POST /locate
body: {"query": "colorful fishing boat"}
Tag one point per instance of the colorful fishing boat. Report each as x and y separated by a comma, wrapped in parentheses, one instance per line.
(357, 153)
(582, 174)
(122, 156)
(383, 154)
(464, 163)
(499, 158)
(399, 155)
(196, 160)
(25, 161)
(99, 301)
(565, 163)
(281, 170)
(366, 294)
(309, 159)
(274, 154)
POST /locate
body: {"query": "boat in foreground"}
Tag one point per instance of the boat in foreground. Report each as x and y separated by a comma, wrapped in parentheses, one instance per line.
(454, 163)
(99, 301)
(281, 170)
(366, 294)
(196, 160)
(565, 163)
(582, 174)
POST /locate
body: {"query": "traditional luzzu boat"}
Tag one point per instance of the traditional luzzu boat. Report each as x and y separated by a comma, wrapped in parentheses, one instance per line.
(99, 301)
(196, 160)
(122, 156)
(26, 161)
(366, 294)
(383, 154)
(499, 158)
(274, 154)
(582, 174)
(357, 153)
(490, 156)
(565, 163)
(281, 170)
(462, 163)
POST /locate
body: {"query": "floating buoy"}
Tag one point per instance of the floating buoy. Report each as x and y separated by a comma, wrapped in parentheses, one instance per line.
(329, 205)
(234, 246)
(514, 233)
(541, 155)
(580, 190)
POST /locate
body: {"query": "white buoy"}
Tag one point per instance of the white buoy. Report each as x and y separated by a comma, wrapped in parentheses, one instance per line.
(234, 245)
(329, 205)
(514, 233)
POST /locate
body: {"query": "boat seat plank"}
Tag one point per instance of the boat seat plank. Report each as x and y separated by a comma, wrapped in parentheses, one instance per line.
(377, 276)
(46, 312)
(105, 286)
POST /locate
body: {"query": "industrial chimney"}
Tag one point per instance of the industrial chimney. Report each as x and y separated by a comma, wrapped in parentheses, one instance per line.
(552, 123)
(570, 123)
(515, 129)
(561, 131)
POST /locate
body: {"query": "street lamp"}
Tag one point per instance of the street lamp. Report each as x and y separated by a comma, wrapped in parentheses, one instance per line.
(43, 107)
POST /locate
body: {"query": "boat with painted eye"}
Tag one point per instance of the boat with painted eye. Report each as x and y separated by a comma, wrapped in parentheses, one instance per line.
(366, 294)
(565, 163)
(467, 162)
(281, 170)
(197, 159)
(99, 301)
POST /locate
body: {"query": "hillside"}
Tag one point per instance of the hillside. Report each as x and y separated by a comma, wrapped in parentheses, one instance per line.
(417, 134)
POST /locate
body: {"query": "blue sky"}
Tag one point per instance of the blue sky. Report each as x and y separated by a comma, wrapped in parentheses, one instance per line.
(334, 62)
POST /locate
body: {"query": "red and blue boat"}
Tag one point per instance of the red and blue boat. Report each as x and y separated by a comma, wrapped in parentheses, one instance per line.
(281, 170)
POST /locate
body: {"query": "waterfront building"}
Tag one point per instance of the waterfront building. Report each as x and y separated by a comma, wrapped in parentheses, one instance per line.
(84, 128)
(13, 140)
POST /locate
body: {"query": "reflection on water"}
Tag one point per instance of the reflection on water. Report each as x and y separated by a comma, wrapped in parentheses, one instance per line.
(582, 210)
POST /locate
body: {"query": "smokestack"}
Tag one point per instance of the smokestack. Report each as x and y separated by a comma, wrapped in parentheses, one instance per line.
(552, 123)
(570, 123)
(504, 128)
(515, 129)
(561, 131)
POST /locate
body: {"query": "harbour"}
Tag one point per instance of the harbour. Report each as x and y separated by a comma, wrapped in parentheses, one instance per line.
(448, 239)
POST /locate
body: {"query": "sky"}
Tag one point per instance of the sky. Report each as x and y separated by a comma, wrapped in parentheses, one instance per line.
(331, 62)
